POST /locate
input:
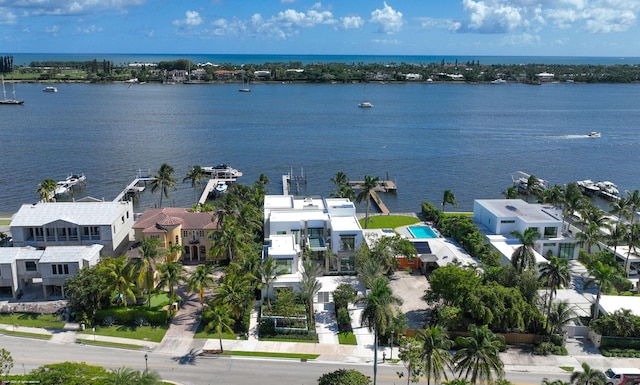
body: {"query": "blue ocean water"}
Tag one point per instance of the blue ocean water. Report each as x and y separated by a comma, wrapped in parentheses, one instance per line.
(26, 58)
(425, 137)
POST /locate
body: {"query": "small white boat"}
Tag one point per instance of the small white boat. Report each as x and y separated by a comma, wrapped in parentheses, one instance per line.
(365, 104)
(499, 81)
(245, 90)
(221, 171)
(221, 187)
(608, 187)
(50, 89)
(588, 187)
(594, 134)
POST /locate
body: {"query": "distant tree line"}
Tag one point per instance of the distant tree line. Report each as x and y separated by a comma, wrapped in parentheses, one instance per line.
(92, 66)
(6, 64)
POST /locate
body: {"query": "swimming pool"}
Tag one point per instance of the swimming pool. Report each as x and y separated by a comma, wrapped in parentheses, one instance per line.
(422, 232)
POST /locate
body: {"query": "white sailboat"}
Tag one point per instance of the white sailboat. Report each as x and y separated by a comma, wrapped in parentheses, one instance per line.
(6, 101)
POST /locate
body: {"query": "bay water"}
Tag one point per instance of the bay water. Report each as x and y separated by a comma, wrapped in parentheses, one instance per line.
(425, 137)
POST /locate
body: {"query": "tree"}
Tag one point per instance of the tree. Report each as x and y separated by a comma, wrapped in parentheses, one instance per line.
(554, 274)
(144, 268)
(378, 313)
(344, 377)
(220, 321)
(572, 200)
(171, 274)
(163, 181)
(588, 376)
(128, 376)
(310, 286)
(120, 279)
(368, 186)
(173, 252)
(632, 199)
(6, 363)
(340, 180)
(632, 238)
(553, 195)
(195, 175)
(200, 280)
(590, 235)
(560, 314)
(478, 356)
(268, 274)
(70, 373)
(235, 293)
(449, 198)
(510, 193)
(435, 351)
(534, 187)
(410, 350)
(46, 190)
(523, 258)
(87, 292)
(343, 295)
(603, 277)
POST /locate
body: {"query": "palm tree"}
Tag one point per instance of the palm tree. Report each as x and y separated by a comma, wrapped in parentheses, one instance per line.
(435, 351)
(572, 199)
(263, 179)
(309, 285)
(478, 355)
(128, 376)
(621, 208)
(555, 273)
(378, 314)
(144, 268)
(171, 274)
(632, 239)
(603, 277)
(340, 180)
(553, 195)
(523, 257)
(235, 293)
(196, 175)
(591, 235)
(368, 186)
(200, 280)
(231, 240)
(267, 271)
(120, 279)
(617, 235)
(173, 252)
(46, 190)
(560, 313)
(588, 376)
(449, 198)
(533, 187)
(163, 181)
(221, 321)
(510, 193)
(633, 200)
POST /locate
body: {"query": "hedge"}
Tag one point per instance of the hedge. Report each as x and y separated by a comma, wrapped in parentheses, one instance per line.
(127, 316)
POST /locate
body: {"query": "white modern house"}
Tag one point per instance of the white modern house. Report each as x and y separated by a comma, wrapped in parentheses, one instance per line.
(497, 218)
(326, 226)
(80, 223)
(21, 267)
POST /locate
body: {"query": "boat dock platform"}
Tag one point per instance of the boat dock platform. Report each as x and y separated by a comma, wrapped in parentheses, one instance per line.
(379, 203)
(134, 188)
(289, 178)
(211, 185)
(383, 186)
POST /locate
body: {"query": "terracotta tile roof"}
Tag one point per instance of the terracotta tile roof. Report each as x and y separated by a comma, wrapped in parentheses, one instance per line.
(150, 220)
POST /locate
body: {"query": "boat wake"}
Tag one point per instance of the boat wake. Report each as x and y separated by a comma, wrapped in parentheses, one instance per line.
(569, 137)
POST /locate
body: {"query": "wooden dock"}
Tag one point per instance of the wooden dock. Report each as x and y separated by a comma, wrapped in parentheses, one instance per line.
(289, 178)
(133, 188)
(211, 184)
(379, 203)
(383, 185)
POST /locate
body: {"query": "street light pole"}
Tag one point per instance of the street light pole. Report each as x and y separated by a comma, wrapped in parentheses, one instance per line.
(146, 366)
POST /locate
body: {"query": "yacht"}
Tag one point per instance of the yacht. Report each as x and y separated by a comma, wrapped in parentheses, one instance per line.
(221, 171)
(594, 134)
(608, 187)
(588, 187)
(50, 89)
(365, 104)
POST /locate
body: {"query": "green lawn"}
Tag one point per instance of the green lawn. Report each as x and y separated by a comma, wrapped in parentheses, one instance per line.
(273, 355)
(200, 333)
(145, 333)
(5, 223)
(26, 334)
(109, 344)
(32, 320)
(389, 221)
(347, 338)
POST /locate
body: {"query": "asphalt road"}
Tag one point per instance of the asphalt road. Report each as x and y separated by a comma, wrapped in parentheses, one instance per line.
(196, 370)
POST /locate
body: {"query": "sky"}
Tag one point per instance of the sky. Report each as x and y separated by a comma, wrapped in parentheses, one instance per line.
(330, 27)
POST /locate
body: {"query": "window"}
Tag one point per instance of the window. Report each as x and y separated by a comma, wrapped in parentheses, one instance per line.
(60, 269)
(203, 250)
(30, 266)
(347, 242)
(281, 232)
(348, 263)
(548, 244)
(185, 233)
(315, 232)
(201, 233)
(508, 221)
(123, 219)
(323, 296)
(566, 250)
(127, 215)
(550, 232)
(54, 269)
(177, 240)
(284, 266)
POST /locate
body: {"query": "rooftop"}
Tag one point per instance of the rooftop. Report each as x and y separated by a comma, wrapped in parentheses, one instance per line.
(530, 212)
(80, 213)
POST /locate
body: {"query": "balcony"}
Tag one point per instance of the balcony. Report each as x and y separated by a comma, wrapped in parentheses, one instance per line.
(317, 244)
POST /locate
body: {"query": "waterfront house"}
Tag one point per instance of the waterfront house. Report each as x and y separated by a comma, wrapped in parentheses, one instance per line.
(79, 223)
(180, 226)
(497, 218)
(327, 227)
(23, 268)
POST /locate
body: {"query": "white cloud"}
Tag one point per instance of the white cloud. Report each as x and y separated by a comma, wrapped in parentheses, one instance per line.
(54, 29)
(89, 29)
(433, 23)
(73, 7)
(351, 22)
(390, 20)
(7, 17)
(192, 19)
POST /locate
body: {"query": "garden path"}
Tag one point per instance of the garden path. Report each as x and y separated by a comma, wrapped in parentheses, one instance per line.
(179, 338)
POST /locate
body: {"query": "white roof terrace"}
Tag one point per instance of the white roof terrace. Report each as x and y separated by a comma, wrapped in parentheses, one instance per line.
(83, 213)
(60, 254)
(517, 208)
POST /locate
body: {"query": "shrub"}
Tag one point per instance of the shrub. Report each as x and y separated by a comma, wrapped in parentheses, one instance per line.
(108, 321)
(344, 377)
(544, 348)
(141, 321)
(128, 316)
(344, 320)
